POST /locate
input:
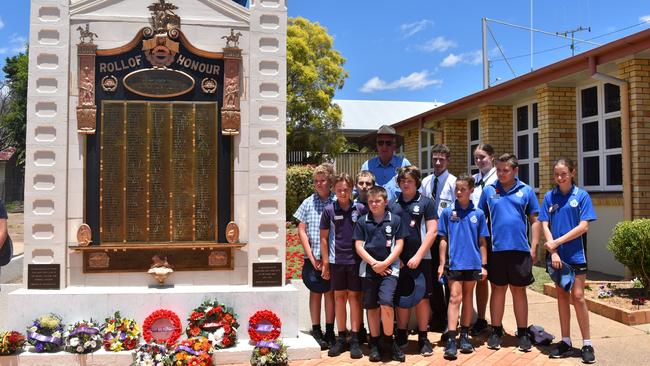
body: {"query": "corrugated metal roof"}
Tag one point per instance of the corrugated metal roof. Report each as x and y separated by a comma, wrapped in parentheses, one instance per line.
(7, 153)
(370, 114)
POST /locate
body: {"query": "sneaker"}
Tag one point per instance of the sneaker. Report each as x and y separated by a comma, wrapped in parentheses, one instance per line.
(318, 336)
(561, 350)
(338, 347)
(330, 338)
(363, 336)
(479, 327)
(588, 355)
(397, 354)
(465, 345)
(450, 349)
(426, 348)
(375, 354)
(355, 349)
(524, 342)
(494, 341)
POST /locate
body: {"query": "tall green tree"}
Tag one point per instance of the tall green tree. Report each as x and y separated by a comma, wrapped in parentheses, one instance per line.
(314, 73)
(14, 119)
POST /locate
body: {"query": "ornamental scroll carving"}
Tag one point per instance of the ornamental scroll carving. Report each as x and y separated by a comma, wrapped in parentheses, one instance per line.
(230, 110)
(86, 107)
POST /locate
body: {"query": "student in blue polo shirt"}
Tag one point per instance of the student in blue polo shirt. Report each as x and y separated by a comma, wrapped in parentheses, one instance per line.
(341, 263)
(418, 214)
(565, 216)
(379, 239)
(510, 204)
(462, 229)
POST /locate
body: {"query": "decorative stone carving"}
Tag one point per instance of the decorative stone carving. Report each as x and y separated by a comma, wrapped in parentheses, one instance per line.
(84, 235)
(209, 85)
(160, 269)
(86, 33)
(109, 83)
(218, 258)
(230, 110)
(233, 37)
(98, 260)
(160, 49)
(232, 232)
(86, 107)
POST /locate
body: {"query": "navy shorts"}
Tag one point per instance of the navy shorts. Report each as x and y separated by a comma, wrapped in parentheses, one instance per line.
(345, 277)
(510, 267)
(378, 290)
(463, 274)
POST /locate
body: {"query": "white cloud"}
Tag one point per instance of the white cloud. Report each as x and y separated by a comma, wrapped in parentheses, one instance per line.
(414, 81)
(470, 58)
(644, 18)
(2, 24)
(409, 29)
(18, 42)
(440, 44)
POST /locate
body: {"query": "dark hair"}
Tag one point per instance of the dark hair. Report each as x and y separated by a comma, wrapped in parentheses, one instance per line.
(441, 149)
(409, 171)
(366, 173)
(485, 147)
(378, 191)
(509, 158)
(563, 160)
(343, 177)
(464, 177)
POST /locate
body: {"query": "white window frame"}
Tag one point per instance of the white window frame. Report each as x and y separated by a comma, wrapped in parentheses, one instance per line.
(471, 167)
(425, 147)
(602, 151)
(530, 133)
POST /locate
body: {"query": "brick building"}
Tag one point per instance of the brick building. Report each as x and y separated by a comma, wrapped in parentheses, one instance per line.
(593, 107)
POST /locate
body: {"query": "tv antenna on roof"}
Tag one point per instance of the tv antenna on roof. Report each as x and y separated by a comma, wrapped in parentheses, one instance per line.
(573, 32)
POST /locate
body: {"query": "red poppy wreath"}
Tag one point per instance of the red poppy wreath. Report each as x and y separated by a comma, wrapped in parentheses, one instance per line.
(162, 327)
(264, 325)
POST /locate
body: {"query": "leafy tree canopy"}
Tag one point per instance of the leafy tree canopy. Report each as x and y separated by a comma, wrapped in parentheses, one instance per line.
(14, 119)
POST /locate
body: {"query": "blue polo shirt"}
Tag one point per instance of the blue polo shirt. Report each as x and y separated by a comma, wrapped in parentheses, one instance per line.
(341, 224)
(462, 228)
(385, 174)
(564, 212)
(508, 212)
(379, 240)
(414, 215)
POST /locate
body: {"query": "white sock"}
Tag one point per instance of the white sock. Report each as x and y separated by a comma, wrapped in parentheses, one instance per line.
(566, 340)
(586, 342)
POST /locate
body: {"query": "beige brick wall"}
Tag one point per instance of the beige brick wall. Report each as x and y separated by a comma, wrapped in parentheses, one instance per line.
(637, 73)
(411, 145)
(455, 137)
(495, 122)
(556, 110)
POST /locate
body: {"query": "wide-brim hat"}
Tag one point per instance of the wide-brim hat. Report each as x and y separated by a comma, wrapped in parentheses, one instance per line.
(411, 287)
(371, 138)
(563, 277)
(313, 279)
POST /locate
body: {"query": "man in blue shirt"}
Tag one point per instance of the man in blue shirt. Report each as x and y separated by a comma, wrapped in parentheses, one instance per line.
(509, 202)
(385, 165)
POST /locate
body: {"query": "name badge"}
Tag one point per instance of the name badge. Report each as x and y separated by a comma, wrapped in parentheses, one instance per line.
(338, 217)
(389, 243)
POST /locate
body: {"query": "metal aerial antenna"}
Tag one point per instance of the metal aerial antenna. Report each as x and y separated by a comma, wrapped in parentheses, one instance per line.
(573, 32)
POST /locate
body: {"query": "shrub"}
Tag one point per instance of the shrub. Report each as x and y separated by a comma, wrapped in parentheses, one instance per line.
(299, 186)
(630, 244)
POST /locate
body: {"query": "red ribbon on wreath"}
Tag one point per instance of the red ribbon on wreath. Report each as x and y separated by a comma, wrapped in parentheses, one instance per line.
(155, 327)
(264, 325)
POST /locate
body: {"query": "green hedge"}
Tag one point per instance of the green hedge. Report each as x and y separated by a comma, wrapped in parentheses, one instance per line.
(299, 186)
(631, 246)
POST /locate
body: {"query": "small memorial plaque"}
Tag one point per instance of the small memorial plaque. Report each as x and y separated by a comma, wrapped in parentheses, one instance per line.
(267, 274)
(159, 83)
(43, 276)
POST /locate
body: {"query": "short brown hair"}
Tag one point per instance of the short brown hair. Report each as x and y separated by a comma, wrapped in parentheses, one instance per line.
(366, 174)
(378, 191)
(343, 177)
(441, 149)
(509, 158)
(464, 177)
(409, 171)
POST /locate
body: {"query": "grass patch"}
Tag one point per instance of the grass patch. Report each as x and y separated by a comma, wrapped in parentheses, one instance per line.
(14, 207)
(541, 277)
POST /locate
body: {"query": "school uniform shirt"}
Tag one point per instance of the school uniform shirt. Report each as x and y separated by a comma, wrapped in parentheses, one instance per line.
(385, 174)
(310, 212)
(563, 213)
(341, 224)
(414, 215)
(444, 196)
(462, 228)
(508, 213)
(480, 181)
(379, 240)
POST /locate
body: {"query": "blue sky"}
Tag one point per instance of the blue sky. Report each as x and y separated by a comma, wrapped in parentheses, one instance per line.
(427, 50)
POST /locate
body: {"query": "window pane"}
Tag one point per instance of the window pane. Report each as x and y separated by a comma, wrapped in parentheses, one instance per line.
(591, 168)
(613, 133)
(536, 174)
(522, 118)
(590, 136)
(471, 154)
(424, 142)
(536, 145)
(534, 115)
(612, 98)
(522, 147)
(473, 127)
(424, 160)
(589, 102)
(524, 173)
(614, 170)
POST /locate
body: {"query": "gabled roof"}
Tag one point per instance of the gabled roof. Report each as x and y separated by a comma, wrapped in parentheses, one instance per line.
(370, 114)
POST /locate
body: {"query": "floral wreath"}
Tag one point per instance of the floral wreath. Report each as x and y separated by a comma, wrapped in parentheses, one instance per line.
(193, 351)
(264, 325)
(215, 321)
(120, 333)
(10, 342)
(149, 329)
(269, 353)
(152, 354)
(82, 337)
(45, 334)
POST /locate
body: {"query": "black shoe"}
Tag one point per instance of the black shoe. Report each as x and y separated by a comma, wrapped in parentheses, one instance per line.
(355, 349)
(338, 347)
(588, 355)
(524, 342)
(450, 349)
(397, 354)
(363, 336)
(375, 354)
(494, 341)
(318, 336)
(479, 327)
(465, 345)
(561, 350)
(426, 348)
(401, 339)
(330, 338)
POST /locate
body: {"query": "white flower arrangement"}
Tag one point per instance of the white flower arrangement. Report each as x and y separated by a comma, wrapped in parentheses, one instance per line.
(82, 337)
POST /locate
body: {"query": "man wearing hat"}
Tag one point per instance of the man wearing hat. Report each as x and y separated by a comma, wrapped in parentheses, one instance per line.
(384, 166)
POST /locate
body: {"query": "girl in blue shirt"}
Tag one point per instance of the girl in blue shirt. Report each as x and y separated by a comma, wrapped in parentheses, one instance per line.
(565, 216)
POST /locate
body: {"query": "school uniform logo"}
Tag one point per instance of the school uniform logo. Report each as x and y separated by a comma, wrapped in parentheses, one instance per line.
(416, 209)
(473, 220)
(519, 194)
(573, 203)
(443, 204)
(389, 229)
